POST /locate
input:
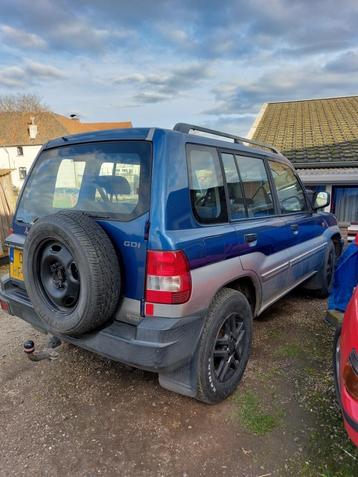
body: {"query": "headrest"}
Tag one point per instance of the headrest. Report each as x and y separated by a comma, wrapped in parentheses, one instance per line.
(116, 185)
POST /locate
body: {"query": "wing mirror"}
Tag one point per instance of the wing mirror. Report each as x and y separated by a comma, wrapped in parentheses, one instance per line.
(321, 200)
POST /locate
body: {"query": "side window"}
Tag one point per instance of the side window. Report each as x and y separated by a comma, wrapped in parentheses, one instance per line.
(290, 193)
(234, 187)
(206, 185)
(256, 186)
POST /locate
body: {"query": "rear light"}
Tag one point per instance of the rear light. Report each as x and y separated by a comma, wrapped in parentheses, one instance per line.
(350, 375)
(168, 277)
(5, 306)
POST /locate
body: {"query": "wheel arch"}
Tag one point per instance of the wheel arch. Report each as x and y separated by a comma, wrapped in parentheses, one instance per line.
(249, 286)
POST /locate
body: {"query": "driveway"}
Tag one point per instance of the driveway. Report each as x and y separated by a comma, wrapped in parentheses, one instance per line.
(83, 415)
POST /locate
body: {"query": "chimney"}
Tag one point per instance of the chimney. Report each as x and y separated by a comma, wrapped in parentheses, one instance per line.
(32, 128)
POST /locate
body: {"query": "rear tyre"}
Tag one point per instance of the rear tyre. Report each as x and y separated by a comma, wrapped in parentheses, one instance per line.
(71, 273)
(224, 346)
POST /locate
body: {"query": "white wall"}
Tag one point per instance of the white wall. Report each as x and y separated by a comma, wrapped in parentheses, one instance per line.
(10, 160)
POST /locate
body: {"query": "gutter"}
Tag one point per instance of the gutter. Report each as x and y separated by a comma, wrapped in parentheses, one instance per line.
(324, 165)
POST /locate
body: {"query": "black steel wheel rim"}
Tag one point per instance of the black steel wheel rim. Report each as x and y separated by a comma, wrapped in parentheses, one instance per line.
(229, 347)
(58, 275)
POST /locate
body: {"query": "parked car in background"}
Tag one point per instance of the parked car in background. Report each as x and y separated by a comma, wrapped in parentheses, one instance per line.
(346, 367)
(158, 247)
(344, 299)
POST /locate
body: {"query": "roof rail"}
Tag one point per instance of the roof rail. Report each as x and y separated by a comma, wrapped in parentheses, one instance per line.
(186, 128)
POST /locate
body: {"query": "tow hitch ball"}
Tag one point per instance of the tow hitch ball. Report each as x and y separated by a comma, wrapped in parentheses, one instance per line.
(46, 353)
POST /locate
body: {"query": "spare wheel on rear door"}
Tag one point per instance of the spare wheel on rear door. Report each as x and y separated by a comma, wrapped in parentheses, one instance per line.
(71, 272)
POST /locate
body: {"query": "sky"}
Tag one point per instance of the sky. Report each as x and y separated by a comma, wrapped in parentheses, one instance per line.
(159, 62)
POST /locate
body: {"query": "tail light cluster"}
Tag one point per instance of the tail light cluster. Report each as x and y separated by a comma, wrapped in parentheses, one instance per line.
(168, 277)
(350, 374)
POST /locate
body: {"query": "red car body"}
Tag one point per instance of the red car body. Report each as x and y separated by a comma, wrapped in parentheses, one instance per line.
(346, 367)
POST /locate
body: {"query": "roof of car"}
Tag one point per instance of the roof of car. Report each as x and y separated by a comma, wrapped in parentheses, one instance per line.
(101, 135)
(142, 134)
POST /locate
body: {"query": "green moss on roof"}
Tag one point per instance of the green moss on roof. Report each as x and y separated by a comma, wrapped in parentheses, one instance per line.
(319, 130)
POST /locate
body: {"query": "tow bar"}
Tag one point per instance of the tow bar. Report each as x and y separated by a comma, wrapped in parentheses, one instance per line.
(46, 353)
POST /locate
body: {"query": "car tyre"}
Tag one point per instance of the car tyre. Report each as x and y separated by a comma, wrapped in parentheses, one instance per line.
(72, 273)
(327, 273)
(224, 346)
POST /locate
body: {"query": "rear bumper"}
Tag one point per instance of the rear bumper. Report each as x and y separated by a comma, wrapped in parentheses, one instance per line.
(162, 345)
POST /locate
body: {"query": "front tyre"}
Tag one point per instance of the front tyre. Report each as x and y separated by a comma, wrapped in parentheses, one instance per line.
(327, 273)
(224, 346)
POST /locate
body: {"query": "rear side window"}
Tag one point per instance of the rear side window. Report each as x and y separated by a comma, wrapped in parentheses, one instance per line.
(234, 187)
(104, 178)
(290, 193)
(206, 184)
(256, 186)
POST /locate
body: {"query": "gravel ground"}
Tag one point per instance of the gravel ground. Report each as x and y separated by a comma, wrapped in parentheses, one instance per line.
(83, 415)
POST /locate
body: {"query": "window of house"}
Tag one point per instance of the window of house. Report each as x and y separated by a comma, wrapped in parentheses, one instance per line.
(22, 173)
(234, 187)
(19, 151)
(345, 204)
(206, 185)
(290, 192)
(256, 186)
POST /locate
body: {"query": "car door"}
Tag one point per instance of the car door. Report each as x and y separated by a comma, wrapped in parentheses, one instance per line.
(305, 228)
(261, 233)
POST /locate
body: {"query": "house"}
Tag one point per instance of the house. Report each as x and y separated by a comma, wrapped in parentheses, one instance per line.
(23, 134)
(320, 137)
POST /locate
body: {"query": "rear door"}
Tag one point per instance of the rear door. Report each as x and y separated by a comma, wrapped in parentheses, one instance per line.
(305, 228)
(262, 233)
(108, 180)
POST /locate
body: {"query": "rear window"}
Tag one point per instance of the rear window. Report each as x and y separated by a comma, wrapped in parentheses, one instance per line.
(105, 179)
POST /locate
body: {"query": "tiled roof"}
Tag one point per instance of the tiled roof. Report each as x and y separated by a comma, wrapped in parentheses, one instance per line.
(312, 131)
(14, 127)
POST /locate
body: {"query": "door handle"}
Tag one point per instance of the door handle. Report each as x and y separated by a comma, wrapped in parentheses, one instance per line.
(249, 238)
(294, 228)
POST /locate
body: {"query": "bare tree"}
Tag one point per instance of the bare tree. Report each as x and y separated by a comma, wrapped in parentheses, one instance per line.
(22, 103)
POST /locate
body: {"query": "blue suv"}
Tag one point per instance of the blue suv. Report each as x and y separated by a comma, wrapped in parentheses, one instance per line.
(157, 248)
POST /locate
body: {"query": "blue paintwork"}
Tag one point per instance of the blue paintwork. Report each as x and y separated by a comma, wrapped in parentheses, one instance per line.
(172, 224)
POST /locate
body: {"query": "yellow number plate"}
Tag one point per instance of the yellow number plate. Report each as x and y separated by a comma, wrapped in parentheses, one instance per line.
(16, 264)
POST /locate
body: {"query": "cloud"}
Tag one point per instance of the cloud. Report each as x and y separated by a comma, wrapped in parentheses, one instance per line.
(12, 77)
(40, 70)
(159, 87)
(21, 38)
(225, 58)
(28, 74)
(194, 28)
(238, 124)
(281, 84)
(345, 62)
(147, 98)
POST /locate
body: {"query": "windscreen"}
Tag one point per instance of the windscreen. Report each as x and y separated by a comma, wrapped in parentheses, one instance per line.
(104, 178)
